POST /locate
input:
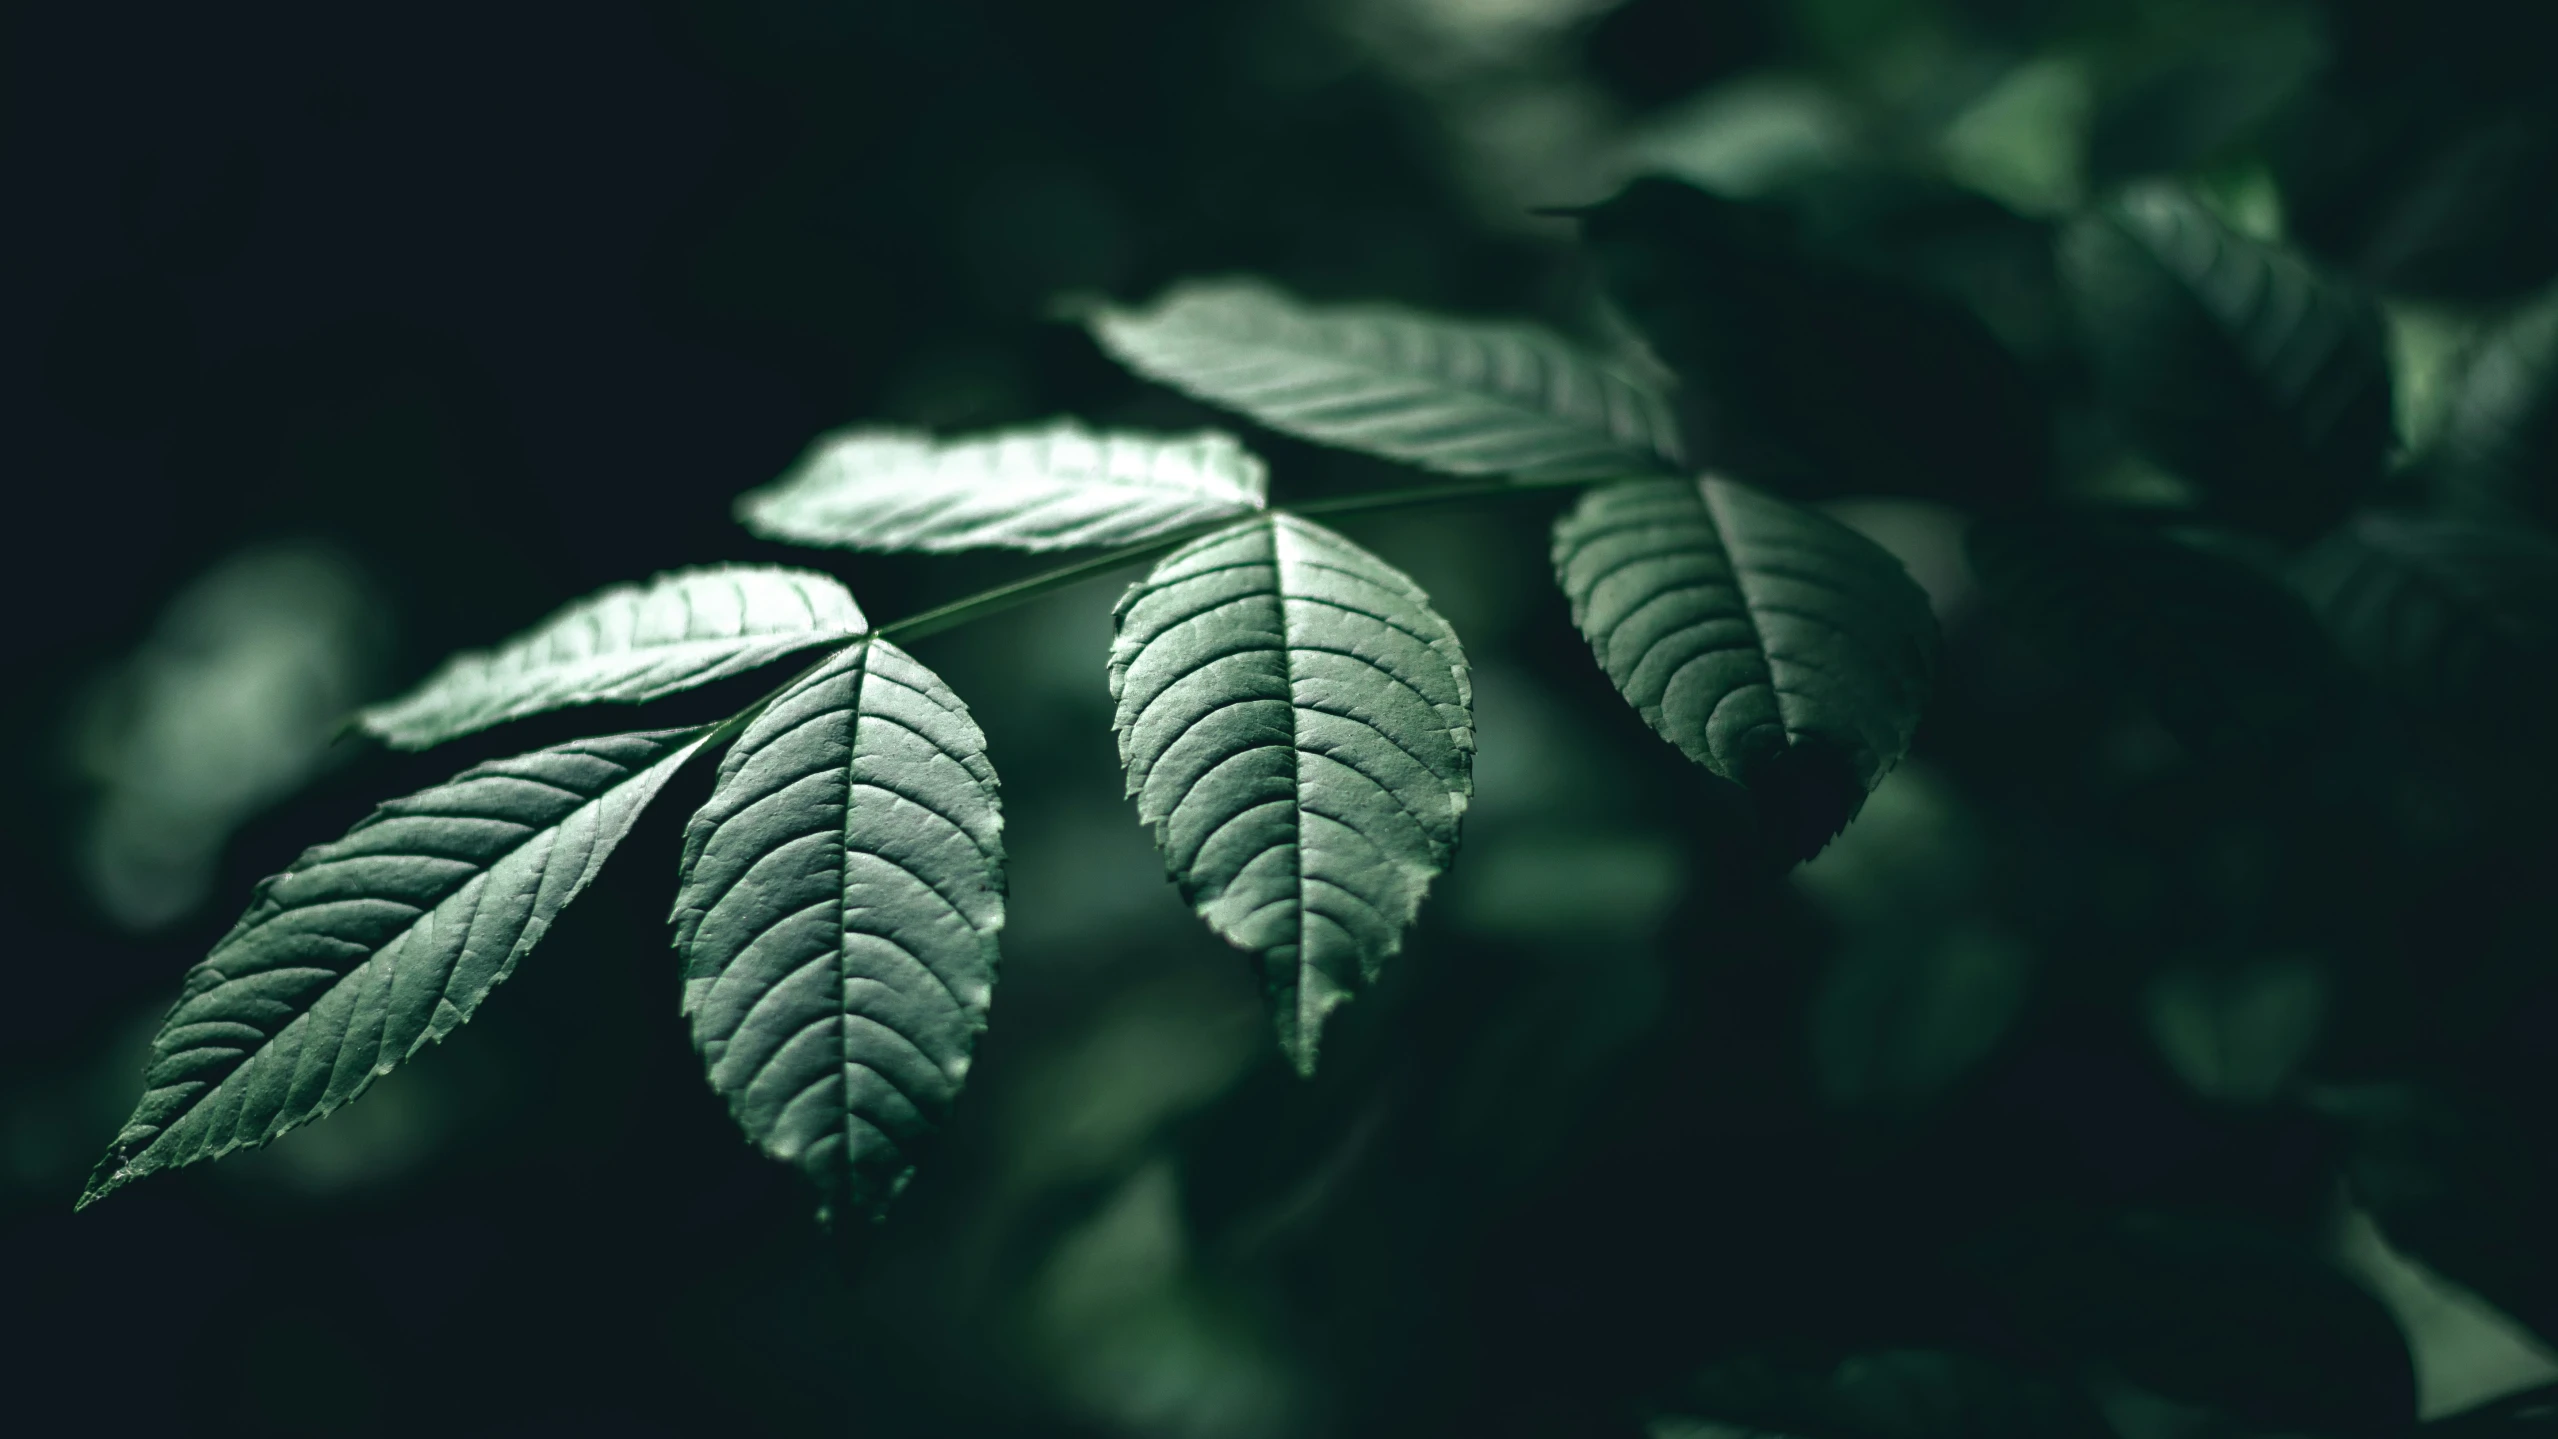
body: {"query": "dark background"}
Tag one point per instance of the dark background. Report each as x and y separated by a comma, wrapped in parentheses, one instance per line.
(338, 338)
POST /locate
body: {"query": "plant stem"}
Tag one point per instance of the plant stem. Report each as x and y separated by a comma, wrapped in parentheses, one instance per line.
(1003, 597)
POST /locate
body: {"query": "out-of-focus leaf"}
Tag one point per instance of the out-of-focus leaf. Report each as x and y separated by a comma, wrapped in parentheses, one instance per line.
(2025, 140)
(2230, 656)
(2189, 108)
(1461, 396)
(1899, 1021)
(626, 645)
(1812, 375)
(1749, 134)
(1296, 725)
(2232, 361)
(2236, 1033)
(836, 916)
(1773, 645)
(1888, 1394)
(2463, 1181)
(2425, 171)
(2457, 618)
(374, 946)
(223, 710)
(2498, 447)
(1046, 487)
(2217, 1312)
(2469, 1354)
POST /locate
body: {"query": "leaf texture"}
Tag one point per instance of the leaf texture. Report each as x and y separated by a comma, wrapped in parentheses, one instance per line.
(372, 947)
(1769, 642)
(1459, 396)
(1048, 487)
(837, 915)
(2233, 361)
(2456, 618)
(1297, 729)
(627, 644)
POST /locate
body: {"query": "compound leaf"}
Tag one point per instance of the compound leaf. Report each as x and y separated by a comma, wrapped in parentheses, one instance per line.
(1775, 646)
(1460, 396)
(1045, 487)
(627, 644)
(372, 947)
(836, 917)
(2232, 361)
(1297, 729)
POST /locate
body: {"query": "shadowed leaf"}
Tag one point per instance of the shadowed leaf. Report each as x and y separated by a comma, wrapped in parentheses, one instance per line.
(2234, 362)
(1773, 645)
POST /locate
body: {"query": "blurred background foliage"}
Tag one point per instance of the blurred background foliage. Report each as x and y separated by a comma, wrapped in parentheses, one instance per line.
(2132, 1078)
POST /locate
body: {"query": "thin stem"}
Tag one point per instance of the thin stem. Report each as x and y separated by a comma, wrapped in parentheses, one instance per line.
(1003, 597)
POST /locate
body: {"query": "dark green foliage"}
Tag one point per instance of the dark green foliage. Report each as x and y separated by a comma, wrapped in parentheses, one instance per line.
(2498, 447)
(2234, 363)
(2004, 885)
(2228, 657)
(1775, 341)
(2213, 1312)
(2456, 619)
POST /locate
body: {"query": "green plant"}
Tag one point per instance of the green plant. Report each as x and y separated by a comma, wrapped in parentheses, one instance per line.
(1295, 720)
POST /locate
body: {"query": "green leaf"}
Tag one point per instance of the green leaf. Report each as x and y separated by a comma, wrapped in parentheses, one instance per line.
(1461, 396)
(1296, 726)
(1889, 1394)
(1045, 487)
(370, 948)
(2236, 1033)
(1773, 645)
(2456, 618)
(627, 644)
(836, 916)
(2233, 361)
(2498, 447)
(2462, 1178)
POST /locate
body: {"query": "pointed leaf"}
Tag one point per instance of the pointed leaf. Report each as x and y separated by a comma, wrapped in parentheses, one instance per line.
(374, 946)
(2233, 361)
(1775, 646)
(627, 644)
(1046, 487)
(2499, 442)
(2457, 618)
(837, 914)
(1295, 722)
(1461, 396)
